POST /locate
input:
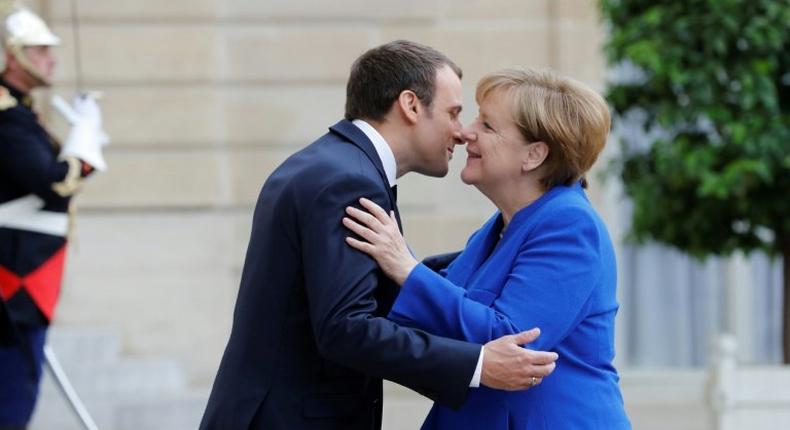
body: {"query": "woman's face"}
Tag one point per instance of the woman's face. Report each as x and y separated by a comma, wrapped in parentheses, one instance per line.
(495, 147)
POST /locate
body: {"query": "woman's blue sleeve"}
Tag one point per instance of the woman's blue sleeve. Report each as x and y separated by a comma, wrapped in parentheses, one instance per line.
(548, 286)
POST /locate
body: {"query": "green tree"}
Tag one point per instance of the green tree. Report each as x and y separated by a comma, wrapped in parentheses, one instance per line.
(709, 82)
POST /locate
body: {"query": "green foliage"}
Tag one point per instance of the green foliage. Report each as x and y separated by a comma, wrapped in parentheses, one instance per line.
(714, 78)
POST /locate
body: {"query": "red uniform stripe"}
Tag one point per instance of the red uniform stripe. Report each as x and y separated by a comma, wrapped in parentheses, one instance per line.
(42, 284)
(9, 283)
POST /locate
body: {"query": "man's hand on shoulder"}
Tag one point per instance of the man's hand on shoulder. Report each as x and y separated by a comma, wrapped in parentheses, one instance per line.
(508, 366)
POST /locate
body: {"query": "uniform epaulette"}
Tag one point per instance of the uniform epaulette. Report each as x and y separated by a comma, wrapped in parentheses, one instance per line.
(7, 101)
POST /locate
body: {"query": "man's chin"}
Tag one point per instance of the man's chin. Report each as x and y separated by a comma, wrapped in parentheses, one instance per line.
(436, 173)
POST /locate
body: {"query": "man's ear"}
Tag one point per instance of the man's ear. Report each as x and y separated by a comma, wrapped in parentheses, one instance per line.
(537, 152)
(409, 105)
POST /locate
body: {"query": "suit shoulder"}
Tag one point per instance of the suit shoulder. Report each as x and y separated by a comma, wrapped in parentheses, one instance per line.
(326, 160)
(325, 166)
(568, 200)
(567, 210)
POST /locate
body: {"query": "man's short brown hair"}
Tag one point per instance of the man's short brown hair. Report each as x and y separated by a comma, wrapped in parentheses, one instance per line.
(380, 75)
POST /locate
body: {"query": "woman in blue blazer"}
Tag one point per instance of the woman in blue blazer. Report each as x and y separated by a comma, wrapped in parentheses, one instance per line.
(544, 259)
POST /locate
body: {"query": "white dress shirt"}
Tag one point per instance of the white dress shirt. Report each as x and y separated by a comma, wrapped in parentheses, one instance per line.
(390, 169)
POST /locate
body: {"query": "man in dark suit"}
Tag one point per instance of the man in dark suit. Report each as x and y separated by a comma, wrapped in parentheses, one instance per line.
(310, 344)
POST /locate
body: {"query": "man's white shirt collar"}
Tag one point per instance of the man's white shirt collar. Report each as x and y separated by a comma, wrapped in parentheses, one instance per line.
(382, 149)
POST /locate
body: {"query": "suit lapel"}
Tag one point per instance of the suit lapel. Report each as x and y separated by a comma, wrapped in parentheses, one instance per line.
(355, 136)
(477, 250)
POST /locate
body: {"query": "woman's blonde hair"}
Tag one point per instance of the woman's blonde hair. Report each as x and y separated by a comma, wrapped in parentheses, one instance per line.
(572, 119)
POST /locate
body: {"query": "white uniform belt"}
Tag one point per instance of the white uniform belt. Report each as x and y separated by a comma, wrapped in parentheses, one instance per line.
(25, 213)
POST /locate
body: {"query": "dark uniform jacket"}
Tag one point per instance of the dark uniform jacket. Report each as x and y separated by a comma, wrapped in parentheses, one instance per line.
(32, 240)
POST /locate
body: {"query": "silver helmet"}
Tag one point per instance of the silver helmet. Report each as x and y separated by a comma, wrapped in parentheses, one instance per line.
(22, 28)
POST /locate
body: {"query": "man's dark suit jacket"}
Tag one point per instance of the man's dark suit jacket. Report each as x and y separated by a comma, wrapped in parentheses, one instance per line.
(310, 343)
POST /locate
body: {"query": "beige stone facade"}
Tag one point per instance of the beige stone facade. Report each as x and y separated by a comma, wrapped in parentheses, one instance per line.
(203, 98)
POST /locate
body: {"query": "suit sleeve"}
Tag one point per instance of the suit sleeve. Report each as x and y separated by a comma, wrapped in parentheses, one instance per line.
(341, 283)
(438, 263)
(35, 169)
(549, 286)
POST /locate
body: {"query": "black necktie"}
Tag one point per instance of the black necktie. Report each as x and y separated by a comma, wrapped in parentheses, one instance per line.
(394, 189)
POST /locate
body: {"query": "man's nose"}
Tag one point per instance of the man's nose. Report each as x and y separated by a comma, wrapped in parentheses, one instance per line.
(468, 135)
(458, 138)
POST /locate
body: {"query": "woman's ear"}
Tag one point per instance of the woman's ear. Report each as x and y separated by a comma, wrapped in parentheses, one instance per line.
(409, 105)
(537, 152)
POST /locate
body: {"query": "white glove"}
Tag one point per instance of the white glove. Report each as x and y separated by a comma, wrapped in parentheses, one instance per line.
(86, 138)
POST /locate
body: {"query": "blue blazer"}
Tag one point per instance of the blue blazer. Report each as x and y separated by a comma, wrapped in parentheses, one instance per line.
(310, 341)
(554, 268)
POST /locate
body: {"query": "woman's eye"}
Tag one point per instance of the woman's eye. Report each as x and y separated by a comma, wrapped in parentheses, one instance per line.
(487, 126)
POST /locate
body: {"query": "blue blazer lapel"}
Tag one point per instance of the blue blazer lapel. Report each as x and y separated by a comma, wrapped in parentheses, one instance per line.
(488, 259)
(476, 252)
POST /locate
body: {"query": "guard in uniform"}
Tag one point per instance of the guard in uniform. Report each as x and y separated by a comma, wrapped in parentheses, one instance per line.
(38, 178)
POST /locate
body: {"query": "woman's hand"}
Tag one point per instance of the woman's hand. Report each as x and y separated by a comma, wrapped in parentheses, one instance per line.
(382, 239)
